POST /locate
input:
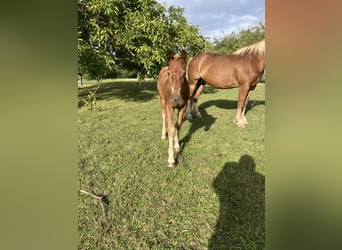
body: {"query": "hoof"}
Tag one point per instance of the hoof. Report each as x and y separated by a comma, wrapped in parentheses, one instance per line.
(198, 115)
(244, 120)
(163, 138)
(189, 116)
(171, 164)
(240, 125)
(177, 149)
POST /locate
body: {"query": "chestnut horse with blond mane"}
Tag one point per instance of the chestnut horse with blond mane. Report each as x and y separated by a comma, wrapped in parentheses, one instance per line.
(173, 90)
(243, 69)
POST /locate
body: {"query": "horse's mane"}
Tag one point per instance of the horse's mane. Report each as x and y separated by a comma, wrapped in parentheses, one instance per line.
(256, 48)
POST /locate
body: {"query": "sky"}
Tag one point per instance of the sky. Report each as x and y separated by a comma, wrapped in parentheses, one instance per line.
(218, 18)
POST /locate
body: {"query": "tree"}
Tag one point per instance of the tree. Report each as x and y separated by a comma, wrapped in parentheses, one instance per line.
(234, 41)
(131, 35)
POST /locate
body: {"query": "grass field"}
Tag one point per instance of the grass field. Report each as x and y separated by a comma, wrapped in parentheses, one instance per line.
(213, 198)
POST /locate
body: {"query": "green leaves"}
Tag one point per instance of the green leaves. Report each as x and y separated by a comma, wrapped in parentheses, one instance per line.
(234, 41)
(122, 34)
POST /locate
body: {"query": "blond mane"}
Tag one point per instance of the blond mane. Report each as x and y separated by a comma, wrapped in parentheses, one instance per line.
(256, 48)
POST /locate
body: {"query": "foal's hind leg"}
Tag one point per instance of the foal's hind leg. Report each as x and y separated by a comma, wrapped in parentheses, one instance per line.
(164, 125)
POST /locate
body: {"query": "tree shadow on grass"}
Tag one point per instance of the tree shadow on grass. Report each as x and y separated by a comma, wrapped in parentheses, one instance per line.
(125, 90)
(241, 192)
(209, 90)
(207, 120)
(228, 104)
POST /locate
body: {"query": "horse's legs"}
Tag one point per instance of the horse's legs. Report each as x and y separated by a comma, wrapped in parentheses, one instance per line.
(188, 110)
(243, 92)
(192, 86)
(243, 113)
(196, 87)
(178, 127)
(195, 101)
(171, 130)
(164, 125)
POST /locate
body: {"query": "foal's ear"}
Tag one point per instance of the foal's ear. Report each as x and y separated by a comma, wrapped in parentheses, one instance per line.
(169, 55)
(183, 54)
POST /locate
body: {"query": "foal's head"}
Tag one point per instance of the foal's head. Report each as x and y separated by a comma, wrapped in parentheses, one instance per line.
(176, 74)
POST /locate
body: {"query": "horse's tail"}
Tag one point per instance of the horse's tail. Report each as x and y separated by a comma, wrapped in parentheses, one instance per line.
(198, 84)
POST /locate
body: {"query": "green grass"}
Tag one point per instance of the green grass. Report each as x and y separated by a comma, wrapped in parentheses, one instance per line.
(213, 198)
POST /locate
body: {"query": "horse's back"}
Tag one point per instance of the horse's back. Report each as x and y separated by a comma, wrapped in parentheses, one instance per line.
(220, 70)
(218, 60)
(215, 69)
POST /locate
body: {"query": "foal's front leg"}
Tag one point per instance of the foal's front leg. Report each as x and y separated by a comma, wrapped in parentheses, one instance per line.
(171, 131)
(178, 126)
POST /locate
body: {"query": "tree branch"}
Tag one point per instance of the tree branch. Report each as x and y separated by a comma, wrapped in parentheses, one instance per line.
(100, 198)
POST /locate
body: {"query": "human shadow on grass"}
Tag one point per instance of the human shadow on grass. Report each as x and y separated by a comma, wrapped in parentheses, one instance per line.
(127, 90)
(241, 221)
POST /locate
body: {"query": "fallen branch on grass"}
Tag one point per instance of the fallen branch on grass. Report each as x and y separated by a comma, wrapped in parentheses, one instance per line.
(100, 198)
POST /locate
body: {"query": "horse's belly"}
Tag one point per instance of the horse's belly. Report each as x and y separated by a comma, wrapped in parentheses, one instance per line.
(222, 83)
(229, 85)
